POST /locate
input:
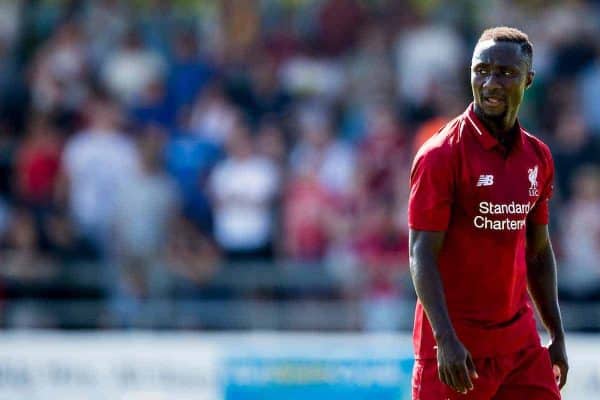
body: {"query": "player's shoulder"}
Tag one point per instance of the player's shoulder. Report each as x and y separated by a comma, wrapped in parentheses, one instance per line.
(443, 142)
(538, 146)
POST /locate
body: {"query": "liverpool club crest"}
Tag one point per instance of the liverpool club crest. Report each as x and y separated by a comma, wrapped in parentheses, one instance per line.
(533, 183)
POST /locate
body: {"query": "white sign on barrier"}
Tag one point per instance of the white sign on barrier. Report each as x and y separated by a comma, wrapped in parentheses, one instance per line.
(95, 368)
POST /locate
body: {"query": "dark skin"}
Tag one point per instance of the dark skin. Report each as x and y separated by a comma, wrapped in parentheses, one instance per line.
(541, 280)
(455, 364)
(500, 74)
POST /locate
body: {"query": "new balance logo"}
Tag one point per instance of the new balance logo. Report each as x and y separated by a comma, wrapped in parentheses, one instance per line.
(485, 180)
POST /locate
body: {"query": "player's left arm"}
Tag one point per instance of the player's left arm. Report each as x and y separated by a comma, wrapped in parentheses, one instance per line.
(541, 277)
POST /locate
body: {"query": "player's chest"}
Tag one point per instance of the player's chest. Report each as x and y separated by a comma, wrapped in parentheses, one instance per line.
(498, 185)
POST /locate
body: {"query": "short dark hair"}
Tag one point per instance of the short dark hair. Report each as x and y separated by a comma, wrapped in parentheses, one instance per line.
(508, 34)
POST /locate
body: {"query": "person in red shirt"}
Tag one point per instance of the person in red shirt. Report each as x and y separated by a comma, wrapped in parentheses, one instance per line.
(479, 243)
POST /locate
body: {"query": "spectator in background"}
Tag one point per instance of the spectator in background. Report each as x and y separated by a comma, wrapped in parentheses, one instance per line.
(158, 21)
(381, 153)
(10, 20)
(573, 46)
(244, 188)
(320, 189)
(189, 73)
(110, 17)
(131, 68)
(146, 206)
(443, 103)
(8, 147)
(264, 95)
(309, 75)
(318, 150)
(189, 159)
(339, 24)
(589, 87)
(4, 216)
(147, 203)
(37, 164)
(308, 209)
(97, 161)
(382, 252)
(212, 116)
(370, 80)
(433, 52)
(153, 106)
(573, 146)
(21, 257)
(60, 70)
(14, 91)
(580, 235)
(270, 142)
(370, 69)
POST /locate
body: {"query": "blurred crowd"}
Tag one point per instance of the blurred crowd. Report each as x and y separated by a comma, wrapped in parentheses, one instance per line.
(166, 140)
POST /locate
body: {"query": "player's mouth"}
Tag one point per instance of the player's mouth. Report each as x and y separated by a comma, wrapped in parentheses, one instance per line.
(493, 101)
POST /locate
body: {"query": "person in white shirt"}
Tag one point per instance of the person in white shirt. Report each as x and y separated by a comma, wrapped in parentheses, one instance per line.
(97, 161)
(130, 69)
(319, 151)
(244, 187)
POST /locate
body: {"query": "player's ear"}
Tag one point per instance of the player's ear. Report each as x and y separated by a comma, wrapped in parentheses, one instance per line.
(529, 78)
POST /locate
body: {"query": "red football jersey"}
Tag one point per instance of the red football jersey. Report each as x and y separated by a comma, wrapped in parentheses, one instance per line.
(465, 183)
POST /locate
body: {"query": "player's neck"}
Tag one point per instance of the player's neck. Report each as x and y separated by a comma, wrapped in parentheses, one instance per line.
(501, 128)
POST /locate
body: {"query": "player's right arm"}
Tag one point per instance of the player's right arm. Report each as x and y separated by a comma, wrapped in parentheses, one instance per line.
(455, 365)
(432, 195)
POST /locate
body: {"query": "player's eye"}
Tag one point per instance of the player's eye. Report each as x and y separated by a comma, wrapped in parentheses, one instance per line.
(508, 74)
(482, 71)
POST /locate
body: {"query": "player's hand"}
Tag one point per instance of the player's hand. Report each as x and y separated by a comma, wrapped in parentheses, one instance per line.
(455, 365)
(558, 356)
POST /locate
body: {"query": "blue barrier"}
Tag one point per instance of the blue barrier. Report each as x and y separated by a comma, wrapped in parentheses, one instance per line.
(256, 378)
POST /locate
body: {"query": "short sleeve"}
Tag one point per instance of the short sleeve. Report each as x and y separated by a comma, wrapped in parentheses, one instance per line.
(540, 214)
(431, 191)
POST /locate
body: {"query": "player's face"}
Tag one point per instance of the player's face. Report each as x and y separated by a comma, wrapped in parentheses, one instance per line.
(499, 76)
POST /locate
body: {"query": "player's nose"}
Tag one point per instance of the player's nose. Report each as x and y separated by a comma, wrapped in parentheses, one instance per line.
(492, 81)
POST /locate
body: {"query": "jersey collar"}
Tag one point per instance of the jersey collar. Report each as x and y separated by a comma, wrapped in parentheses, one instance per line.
(484, 137)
